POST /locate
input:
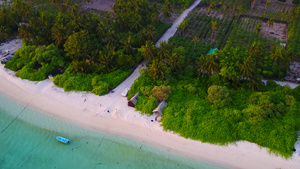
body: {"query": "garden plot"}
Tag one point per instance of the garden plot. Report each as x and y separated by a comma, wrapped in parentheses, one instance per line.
(212, 13)
(243, 34)
(199, 26)
(278, 31)
(276, 11)
(248, 24)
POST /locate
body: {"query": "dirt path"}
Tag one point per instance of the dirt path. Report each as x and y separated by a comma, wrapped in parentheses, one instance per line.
(292, 85)
(168, 34)
(171, 31)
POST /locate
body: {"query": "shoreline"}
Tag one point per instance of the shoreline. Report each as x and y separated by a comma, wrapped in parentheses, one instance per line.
(90, 111)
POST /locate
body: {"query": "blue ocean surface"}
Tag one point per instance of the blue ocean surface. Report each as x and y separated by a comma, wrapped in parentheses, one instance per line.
(28, 140)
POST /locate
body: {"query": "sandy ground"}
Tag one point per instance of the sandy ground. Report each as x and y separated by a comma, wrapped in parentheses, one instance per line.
(12, 46)
(102, 5)
(278, 30)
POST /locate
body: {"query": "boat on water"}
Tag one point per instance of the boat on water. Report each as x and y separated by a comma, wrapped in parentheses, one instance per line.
(63, 140)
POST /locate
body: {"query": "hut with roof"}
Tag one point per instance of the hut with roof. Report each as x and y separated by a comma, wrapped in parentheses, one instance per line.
(159, 109)
(132, 102)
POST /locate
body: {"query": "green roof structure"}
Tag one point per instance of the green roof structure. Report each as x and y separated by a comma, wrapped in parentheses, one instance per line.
(212, 51)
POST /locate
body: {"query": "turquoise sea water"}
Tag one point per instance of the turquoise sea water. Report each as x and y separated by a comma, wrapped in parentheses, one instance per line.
(27, 140)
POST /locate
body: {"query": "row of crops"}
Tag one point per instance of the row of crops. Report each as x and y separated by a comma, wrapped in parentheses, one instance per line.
(274, 10)
(243, 37)
(242, 31)
(235, 3)
(230, 30)
(294, 34)
(200, 26)
(248, 24)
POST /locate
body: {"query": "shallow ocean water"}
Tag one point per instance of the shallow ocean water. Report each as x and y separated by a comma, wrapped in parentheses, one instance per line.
(27, 140)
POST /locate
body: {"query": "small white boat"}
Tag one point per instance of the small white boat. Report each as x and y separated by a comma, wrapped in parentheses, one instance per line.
(63, 140)
(125, 92)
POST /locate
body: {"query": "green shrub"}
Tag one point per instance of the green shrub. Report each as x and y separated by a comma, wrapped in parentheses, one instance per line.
(146, 104)
(161, 92)
(266, 118)
(99, 84)
(36, 63)
(101, 89)
(218, 95)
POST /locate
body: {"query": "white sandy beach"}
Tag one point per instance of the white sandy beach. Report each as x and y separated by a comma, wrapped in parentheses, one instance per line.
(91, 111)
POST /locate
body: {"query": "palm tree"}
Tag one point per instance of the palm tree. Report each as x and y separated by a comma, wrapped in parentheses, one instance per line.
(150, 32)
(280, 58)
(135, 22)
(208, 64)
(154, 18)
(162, 51)
(24, 33)
(55, 2)
(148, 50)
(176, 59)
(167, 9)
(268, 3)
(201, 65)
(58, 34)
(195, 40)
(211, 6)
(111, 38)
(126, 44)
(283, 13)
(277, 56)
(246, 69)
(107, 57)
(3, 33)
(293, 14)
(253, 84)
(256, 52)
(270, 23)
(214, 27)
(101, 30)
(157, 70)
(240, 10)
(67, 4)
(257, 29)
(4, 14)
(182, 26)
(212, 64)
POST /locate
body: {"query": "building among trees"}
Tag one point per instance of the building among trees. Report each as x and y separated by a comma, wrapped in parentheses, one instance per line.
(158, 110)
(132, 102)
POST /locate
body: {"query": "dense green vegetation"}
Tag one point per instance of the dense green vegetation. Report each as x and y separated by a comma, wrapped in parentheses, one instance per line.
(220, 98)
(229, 105)
(36, 63)
(184, 3)
(90, 48)
(296, 2)
(293, 31)
(230, 5)
(200, 26)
